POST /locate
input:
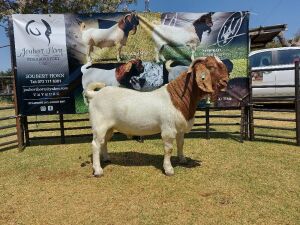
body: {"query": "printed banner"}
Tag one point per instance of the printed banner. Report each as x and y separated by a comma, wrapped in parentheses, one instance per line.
(42, 64)
(59, 56)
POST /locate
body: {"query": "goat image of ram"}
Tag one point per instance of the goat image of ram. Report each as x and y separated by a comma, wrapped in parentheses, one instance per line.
(169, 110)
(125, 74)
(189, 36)
(114, 36)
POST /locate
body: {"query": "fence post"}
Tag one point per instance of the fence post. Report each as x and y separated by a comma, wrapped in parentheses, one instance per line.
(26, 131)
(19, 120)
(242, 125)
(251, 120)
(207, 122)
(246, 126)
(62, 129)
(297, 102)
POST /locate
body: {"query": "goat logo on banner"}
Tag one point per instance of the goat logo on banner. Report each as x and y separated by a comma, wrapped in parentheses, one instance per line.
(33, 27)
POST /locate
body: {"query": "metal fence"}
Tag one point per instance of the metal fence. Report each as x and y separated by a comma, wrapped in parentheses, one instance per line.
(294, 101)
(27, 129)
(59, 125)
(8, 136)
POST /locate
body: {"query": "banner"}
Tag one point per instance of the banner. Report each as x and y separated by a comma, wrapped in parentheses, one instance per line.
(59, 55)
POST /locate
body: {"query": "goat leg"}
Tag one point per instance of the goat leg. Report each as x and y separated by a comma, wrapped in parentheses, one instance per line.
(98, 144)
(168, 145)
(104, 153)
(119, 49)
(179, 143)
(90, 48)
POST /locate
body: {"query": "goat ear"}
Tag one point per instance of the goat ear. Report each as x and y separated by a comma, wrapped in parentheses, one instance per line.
(203, 79)
(198, 60)
(128, 67)
(122, 70)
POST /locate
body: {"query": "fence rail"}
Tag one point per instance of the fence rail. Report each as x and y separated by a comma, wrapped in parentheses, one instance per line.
(247, 125)
(295, 100)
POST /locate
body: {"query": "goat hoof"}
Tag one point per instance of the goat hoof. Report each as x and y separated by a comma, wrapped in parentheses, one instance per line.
(169, 172)
(97, 174)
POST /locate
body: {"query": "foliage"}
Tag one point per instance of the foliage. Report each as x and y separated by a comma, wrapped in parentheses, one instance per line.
(9, 7)
(274, 44)
(6, 73)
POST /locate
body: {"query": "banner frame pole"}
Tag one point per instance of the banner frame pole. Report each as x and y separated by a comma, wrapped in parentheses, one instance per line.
(19, 117)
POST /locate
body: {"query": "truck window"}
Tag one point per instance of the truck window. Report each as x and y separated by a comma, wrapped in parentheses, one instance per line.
(261, 59)
(287, 56)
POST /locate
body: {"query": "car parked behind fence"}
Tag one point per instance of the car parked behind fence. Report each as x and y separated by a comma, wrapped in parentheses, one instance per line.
(274, 58)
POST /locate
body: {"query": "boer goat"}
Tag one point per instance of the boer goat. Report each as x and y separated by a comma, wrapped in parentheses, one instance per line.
(114, 36)
(169, 110)
(126, 74)
(189, 36)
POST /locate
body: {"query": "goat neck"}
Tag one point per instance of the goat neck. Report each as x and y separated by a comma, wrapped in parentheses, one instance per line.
(185, 94)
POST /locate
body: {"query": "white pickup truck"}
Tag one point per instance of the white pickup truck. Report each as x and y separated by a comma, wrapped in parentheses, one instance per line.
(274, 58)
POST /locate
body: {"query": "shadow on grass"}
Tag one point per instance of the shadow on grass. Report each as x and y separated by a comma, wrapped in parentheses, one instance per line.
(275, 141)
(87, 138)
(6, 148)
(130, 158)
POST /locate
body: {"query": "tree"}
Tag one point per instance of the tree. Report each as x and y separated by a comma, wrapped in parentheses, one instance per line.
(296, 39)
(8, 7)
(6, 73)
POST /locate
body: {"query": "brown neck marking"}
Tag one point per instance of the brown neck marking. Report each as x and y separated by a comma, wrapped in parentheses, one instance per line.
(185, 94)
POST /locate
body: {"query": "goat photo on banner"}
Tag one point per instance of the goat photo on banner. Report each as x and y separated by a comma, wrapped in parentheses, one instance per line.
(139, 51)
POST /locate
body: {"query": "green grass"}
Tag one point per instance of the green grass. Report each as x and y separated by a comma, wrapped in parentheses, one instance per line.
(224, 182)
(80, 106)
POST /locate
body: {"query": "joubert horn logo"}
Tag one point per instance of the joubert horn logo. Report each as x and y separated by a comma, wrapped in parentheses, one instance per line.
(230, 29)
(33, 27)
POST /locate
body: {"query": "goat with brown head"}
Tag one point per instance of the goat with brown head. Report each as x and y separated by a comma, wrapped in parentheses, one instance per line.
(126, 71)
(129, 23)
(205, 76)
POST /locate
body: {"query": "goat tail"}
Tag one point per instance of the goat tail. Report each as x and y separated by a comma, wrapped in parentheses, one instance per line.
(91, 91)
(168, 65)
(85, 66)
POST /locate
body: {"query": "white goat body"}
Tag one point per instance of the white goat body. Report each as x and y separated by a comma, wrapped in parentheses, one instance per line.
(137, 113)
(91, 75)
(104, 37)
(174, 36)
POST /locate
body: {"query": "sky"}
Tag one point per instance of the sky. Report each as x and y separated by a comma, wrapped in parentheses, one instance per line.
(262, 13)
